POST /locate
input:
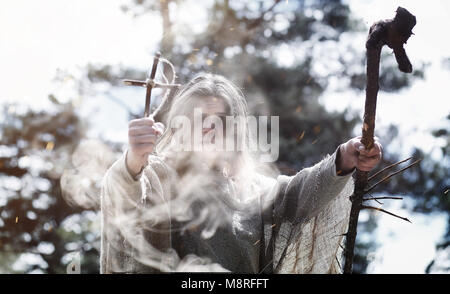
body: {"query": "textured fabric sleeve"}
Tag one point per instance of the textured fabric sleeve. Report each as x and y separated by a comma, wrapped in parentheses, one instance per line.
(120, 192)
(305, 194)
(126, 205)
(119, 189)
(310, 216)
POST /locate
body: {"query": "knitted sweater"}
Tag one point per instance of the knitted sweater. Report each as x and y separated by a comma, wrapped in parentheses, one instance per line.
(297, 228)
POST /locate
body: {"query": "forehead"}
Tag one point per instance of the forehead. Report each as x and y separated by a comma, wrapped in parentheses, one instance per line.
(211, 105)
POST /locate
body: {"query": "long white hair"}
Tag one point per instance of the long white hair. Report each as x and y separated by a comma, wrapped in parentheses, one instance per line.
(207, 86)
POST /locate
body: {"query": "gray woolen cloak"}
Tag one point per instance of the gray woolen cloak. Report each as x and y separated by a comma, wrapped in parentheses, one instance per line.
(298, 227)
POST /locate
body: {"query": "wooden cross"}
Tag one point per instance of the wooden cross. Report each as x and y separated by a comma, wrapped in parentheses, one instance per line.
(150, 83)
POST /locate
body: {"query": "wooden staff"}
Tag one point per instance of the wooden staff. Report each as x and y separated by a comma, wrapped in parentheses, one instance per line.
(394, 33)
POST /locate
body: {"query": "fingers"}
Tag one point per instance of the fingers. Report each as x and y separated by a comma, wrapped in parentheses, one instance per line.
(142, 145)
(359, 146)
(143, 139)
(365, 163)
(143, 126)
(159, 128)
(366, 160)
(143, 134)
(375, 150)
(145, 121)
(369, 160)
(140, 130)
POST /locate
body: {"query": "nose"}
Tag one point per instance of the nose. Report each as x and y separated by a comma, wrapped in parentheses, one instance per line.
(206, 130)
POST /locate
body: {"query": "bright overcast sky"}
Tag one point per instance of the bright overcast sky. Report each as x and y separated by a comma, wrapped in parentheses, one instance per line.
(38, 37)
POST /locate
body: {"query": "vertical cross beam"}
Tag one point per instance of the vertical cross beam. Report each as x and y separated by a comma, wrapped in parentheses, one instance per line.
(150, 83)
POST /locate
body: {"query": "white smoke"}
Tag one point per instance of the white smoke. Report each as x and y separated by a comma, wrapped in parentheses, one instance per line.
(81, 179)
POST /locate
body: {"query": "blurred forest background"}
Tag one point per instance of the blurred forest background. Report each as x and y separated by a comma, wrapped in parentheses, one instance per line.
(253, 44)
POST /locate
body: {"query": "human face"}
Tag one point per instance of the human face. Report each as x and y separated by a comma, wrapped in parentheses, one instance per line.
(208, 107)
(211, 106)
